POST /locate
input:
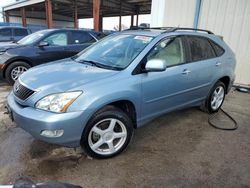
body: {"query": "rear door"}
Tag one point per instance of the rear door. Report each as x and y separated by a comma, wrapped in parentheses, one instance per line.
(201, 66)
(56, 49)
(79, 40)
(5, 35)
(19, 33)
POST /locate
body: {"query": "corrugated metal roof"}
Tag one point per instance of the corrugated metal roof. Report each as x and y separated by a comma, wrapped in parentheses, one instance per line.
(85, 7)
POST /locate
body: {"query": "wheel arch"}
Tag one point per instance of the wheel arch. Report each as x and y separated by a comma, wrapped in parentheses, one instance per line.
(125, 105)
(225, 80)
(16, 60)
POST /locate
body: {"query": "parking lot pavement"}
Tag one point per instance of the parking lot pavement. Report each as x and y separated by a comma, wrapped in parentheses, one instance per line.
(177, 150)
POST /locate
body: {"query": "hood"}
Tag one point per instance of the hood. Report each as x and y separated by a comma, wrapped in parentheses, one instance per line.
(4, 46)
(62, 75)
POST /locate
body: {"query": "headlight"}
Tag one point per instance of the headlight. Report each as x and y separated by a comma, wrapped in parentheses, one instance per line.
(58, 102)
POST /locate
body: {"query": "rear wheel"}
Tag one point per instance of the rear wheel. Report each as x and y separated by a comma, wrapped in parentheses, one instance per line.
(107, 134)
(14, 70)
(216, 98)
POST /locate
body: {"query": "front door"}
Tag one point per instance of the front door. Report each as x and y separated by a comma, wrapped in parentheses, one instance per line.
(167, 90)
(56, 49)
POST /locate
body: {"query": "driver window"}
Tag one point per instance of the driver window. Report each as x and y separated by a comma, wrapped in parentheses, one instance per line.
(170, 50)
(57, 39)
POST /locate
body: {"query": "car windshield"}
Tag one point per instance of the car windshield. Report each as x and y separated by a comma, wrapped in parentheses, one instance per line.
(114, 52)
(32, 38)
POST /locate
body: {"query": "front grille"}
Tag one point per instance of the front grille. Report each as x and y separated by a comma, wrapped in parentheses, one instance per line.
(21, 91)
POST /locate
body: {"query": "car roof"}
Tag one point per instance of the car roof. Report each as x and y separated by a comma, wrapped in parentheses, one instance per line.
(68, 29)
(6, 27)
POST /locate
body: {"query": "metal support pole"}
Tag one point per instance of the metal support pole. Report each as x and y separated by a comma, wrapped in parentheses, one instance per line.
(75, 15)
(132, 20)
(197, 13)
(7, 17)
(137, 19)
(48, 6)
(23, 14)
(96, 14)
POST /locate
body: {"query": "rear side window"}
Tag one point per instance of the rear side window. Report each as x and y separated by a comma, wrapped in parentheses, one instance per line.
(5, 32)
(81, 38)
(20, 32)
(99, 35)
(200, 48)
(218, 50)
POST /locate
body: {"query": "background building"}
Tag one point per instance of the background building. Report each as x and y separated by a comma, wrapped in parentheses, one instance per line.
(228, 18)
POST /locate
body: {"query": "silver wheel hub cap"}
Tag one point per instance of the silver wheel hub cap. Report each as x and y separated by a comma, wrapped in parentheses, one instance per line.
(107, 136)
(217, 97)
(17, 71)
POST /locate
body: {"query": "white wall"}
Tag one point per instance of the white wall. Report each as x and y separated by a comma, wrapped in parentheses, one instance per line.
(172, 13)
(231, 19)
(4, 3)
(228, 18)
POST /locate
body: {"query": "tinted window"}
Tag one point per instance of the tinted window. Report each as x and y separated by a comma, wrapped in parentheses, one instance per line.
(57, 39)
(171, 50)
(200, 49)
(5, 32)
(20, 32)
(81, 37)
(99, 35)
(218, 50)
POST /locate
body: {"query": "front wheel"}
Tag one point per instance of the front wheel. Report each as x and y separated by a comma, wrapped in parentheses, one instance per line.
(107, 134)
(216, 97)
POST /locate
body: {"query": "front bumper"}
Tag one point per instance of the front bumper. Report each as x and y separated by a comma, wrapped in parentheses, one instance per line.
(34, 121)
(1, 72)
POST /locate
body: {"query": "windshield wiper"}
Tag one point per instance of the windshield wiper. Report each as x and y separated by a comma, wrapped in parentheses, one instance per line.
(93, 63)
(96, 64)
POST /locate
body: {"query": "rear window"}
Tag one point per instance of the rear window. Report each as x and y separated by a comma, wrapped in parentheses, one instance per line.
(200, 48)
(99, 35)
(81, 38)
(20, 32)
(218, 50)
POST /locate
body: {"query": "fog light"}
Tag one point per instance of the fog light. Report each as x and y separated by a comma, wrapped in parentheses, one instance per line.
(52, 133)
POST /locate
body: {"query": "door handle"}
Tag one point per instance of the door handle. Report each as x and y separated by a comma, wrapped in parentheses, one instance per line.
(218, 64)
(186, 71)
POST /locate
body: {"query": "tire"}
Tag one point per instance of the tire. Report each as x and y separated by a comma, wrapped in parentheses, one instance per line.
(213, 103)
(98, 136)
(15, 66)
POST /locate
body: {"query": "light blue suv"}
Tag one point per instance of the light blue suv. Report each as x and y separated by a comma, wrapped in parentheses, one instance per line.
(97, 98)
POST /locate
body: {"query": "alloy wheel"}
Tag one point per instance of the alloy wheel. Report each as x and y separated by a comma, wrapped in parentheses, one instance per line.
(107, 136)
(217, 97)
(17, 71)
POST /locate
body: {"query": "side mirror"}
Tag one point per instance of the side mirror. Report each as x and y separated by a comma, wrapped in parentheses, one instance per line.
(43, 43)
(156, 65)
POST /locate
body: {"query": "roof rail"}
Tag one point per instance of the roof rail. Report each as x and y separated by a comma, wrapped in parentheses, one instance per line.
(191, 29)
(170, 29)
(144, 28)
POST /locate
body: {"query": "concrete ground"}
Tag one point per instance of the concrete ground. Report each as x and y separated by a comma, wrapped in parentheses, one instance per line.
(177, 150)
